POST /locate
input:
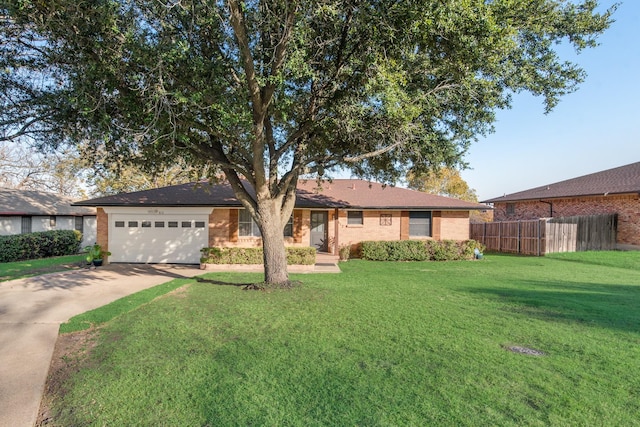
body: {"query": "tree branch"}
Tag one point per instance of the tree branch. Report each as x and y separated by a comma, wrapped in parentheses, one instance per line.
(401, 137)
(279, 55)
(240, 31)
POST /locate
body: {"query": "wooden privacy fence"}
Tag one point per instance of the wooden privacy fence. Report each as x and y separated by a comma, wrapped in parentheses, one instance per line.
(548, 235)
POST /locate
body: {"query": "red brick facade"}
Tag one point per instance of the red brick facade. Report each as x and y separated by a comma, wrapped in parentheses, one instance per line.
(102, 225)
(626, 206)
(377, 225)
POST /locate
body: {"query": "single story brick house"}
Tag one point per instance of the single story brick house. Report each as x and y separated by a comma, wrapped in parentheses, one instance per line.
(172, 224)
(28, 211)
(613, 191)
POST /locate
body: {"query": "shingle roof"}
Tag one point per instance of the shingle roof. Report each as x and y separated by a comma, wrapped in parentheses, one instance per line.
(355, 193)
(340, 193)
(620, 180)
(27, 202)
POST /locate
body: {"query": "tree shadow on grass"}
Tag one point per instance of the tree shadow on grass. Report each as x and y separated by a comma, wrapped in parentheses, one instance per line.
(597, 304)
(254, 286)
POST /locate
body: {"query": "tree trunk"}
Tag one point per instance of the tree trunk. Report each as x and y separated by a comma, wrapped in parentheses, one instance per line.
(275, 256)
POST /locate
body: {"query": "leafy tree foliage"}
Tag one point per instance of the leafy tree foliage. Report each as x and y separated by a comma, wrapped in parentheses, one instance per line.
(448, 182)
(268, 91)
(443, 182)
(104, 177)
(68, 172)
(22, 168)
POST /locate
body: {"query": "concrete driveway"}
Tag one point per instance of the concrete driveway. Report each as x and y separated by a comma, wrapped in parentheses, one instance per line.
(31, 311)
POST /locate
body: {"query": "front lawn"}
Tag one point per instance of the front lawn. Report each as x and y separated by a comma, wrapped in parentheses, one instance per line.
(419, 343)
(35, 267)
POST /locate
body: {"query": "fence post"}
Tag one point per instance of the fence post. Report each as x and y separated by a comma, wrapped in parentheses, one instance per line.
(538, 239)
(484, 234)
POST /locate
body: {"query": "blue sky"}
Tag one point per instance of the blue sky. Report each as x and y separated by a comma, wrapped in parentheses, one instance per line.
(593, 129)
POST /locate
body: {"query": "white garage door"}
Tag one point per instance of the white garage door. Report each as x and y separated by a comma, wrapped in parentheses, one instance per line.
(141, 238)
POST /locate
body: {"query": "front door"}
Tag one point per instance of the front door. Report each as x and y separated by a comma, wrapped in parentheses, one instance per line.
(319, 221)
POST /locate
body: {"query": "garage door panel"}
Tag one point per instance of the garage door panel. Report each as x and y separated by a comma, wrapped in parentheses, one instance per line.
(166, 239)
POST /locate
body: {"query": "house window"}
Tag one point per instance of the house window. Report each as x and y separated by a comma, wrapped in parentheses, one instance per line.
(420, 224)
(199, 224)
(133, 224)
(26, 225)
(172, 224)
(288, 229)
(511, 208)
(354, 217)
(385, 219)
(80, 224)
(146, 224)
(246, 225)
(119, 224)
(186, 224)
(159, 224)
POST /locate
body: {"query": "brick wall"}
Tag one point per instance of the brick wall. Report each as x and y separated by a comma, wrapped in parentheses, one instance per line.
(626, 206)
(377, 225)
(454, 225)
(374, 227)
(446, 225)
(220, 234)
(219, 227)
(102, 226)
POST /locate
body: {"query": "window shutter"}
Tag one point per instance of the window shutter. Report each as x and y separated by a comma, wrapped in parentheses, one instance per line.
(404, 225)
(297, 226)
(436, 224)
(233, 225)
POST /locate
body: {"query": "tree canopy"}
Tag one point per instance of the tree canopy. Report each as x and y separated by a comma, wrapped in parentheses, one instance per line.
(448, 182)
(443, 182)
(269, 91)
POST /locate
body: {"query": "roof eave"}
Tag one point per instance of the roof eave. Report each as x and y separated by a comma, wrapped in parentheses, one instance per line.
(505, 199)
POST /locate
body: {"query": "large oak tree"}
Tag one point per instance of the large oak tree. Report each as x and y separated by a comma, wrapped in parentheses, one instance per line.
(265, 92)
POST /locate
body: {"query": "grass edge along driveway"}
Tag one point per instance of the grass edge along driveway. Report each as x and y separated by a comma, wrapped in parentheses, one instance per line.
(379, 344)
(36, 267)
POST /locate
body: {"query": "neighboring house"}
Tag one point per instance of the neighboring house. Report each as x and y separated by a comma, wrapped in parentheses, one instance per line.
(172, 224)
(26, 211)
(613, 191)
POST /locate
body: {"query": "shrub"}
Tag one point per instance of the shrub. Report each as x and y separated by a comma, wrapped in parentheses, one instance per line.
(408, 250)
(469, 246)
(444, 250)
(344, 252)
(43, 244)
(301, 256)
(400, 250)
(215, 255)
(375, 251)
(419, 250)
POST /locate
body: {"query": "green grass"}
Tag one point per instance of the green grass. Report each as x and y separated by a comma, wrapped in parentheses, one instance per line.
(35, 267)
(123, 305)
(380, 344)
